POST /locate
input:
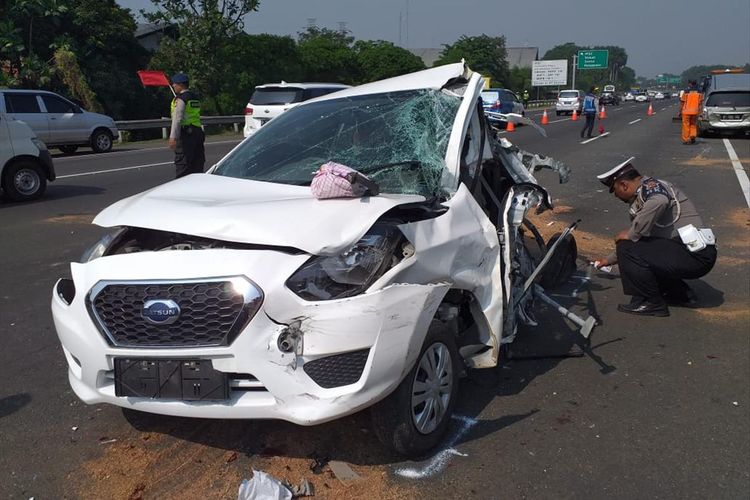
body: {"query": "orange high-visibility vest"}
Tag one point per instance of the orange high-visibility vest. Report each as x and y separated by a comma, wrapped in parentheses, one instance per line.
(692, 103)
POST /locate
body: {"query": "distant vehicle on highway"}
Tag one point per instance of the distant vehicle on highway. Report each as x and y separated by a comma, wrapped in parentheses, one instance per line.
(609, 88)
(609, 98)
(726, 79)
(641, 97)
(726, 110)
(629, 97)
(58, 122)
(272, 99)
(25, 163)
(659, 95)
(568, 101)
(501, 101)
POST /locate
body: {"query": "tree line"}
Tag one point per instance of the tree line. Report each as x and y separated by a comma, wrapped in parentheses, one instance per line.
(86, 50)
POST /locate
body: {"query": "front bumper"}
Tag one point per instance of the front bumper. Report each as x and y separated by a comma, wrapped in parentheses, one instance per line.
(390, 323)
(567, 106)
(46, 160)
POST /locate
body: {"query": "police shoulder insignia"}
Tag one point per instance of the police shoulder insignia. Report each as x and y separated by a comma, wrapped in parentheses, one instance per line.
(651, 187)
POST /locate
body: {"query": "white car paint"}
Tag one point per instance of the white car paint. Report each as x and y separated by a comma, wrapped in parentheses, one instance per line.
(18, 143)
(455, 249)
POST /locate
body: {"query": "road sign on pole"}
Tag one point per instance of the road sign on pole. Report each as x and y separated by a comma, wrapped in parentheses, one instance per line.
(546, 73)
(593, 59)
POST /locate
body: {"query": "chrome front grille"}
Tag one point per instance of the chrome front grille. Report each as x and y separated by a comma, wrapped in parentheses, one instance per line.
(212, 312)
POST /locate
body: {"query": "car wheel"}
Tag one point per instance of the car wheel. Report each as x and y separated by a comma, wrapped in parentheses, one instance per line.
(68, 150)
(414, 418)
(101, 141)
(23, 181)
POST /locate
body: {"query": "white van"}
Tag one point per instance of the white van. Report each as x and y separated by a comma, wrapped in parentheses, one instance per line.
(59, 122)
(270, 100)
(25, 163)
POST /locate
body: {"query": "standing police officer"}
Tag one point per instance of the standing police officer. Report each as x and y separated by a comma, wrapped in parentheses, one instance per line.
(589, 111)
(666, 242)
(186, 136)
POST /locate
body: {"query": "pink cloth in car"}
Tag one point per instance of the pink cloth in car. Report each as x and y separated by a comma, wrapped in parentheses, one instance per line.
(334, 180)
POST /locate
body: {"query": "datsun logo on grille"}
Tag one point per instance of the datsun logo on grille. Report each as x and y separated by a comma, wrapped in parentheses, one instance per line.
(160, 311)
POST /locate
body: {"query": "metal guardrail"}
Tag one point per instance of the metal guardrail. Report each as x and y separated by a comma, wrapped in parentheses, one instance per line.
(541, 103)
(165, 123)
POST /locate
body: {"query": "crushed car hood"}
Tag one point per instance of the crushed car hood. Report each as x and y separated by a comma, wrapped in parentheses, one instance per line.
(245, 211)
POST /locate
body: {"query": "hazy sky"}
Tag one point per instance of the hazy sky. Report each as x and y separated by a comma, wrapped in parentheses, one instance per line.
(660, 36)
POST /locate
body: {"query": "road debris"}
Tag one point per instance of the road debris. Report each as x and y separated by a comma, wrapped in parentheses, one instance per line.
(318, 464)
(343, 472)
(263, 486)
(232, 457)
(304, 489)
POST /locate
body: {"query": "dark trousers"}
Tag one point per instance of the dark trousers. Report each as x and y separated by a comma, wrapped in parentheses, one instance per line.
(190, 155)
(653, 267)
(589, 125)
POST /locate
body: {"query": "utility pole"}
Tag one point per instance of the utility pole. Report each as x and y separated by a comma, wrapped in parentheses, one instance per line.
(575, 65)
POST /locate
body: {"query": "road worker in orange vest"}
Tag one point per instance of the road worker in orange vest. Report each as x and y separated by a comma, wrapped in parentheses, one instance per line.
(691, 101)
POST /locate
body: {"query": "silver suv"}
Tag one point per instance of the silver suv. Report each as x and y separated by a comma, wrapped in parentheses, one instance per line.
(270, 100)
(58, 122)
(726, 110)
(568, 101)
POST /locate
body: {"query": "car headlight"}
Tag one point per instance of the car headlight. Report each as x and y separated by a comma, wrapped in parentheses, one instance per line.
(100, 247)
(39, 144)
(354, 270)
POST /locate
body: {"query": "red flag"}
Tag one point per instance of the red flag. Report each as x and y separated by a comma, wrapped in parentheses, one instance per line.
(153, 78)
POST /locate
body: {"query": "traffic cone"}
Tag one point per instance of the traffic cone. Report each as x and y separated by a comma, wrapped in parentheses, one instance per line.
(545, 120)
(650, 111)
(602, 114)
(575, 116)
(510, 127)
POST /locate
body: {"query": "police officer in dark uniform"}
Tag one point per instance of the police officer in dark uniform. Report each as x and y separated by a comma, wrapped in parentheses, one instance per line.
(666, 242)
(186, 136)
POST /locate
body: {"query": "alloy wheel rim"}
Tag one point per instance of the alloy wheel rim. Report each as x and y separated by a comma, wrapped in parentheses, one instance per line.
(432, 388)
(26, 181)
(102, 140)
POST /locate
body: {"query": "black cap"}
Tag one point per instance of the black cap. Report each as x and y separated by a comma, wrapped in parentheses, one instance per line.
(609, 177)
(179, 78)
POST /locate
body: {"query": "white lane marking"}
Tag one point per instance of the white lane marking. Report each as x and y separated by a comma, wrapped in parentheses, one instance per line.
(635, 121)
(739, 171)
(560, 120)
(148, 165)
(440, 460)
(605, 134)
(115, 152)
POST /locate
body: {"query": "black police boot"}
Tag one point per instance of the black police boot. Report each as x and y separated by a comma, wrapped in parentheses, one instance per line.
(683, 298)
(643, 307)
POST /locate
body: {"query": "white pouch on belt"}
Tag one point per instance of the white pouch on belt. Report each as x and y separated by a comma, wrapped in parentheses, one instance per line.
(696, 239)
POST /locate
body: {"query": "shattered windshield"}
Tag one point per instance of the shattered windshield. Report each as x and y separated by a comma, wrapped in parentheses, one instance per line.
(397, 139)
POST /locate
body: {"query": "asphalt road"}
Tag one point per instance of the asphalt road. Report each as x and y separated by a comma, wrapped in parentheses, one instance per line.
(657, 408)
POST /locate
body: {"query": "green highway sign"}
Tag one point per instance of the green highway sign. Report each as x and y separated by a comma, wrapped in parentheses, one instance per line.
(593, 59)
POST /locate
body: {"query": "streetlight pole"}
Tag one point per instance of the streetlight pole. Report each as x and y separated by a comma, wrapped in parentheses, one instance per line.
(575, 64)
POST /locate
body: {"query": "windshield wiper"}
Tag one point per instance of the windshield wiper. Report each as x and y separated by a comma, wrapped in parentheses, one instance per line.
(386, 166)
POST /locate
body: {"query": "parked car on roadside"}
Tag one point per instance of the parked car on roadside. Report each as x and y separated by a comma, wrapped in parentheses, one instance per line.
(501, 101)
(58, 122)
(568, 101)
(726, 110)
(258, 299)
(270, 100)
(25, 163)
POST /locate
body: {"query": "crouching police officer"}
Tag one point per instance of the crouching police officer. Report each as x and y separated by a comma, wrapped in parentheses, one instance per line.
(186, 136)
(666, 242)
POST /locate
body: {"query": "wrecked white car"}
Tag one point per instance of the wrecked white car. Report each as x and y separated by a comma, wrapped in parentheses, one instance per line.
(238, 294)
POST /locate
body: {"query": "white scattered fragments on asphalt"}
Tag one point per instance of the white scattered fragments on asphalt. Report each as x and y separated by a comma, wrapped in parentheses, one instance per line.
(440, 460)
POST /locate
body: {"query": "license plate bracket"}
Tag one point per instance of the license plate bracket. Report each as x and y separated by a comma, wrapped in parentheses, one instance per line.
(182, 379)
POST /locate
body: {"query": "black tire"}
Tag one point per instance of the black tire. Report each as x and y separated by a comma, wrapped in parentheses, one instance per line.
(68, 150)
(24, 180)
(101, 140)
(394, 418)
